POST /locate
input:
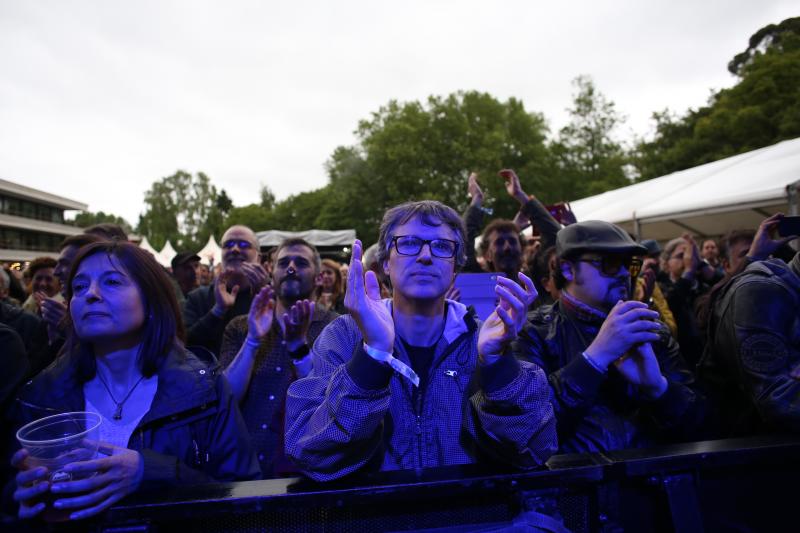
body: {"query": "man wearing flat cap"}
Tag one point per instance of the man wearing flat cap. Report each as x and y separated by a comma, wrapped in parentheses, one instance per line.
(618, 377)
(184, 270)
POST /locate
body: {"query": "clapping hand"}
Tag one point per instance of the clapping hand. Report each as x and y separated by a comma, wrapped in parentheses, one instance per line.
(474, 190)
(513, 186)
(262, 310)
(639, 367)
(629, 323)
(507, 319)
(53, 312)
(224, 298)
(296, 322)
(363, 301)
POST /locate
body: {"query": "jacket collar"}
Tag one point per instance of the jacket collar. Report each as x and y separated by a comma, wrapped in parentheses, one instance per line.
(184, 383)
(456, 320)
(580, 310)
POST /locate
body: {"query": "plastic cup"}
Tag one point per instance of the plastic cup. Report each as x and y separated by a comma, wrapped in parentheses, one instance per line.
(55, 441)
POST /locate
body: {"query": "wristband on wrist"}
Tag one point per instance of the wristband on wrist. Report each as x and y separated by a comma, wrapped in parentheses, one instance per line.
(302, 366)
(253, 343)
(593, 363)
(397, 365)
(299, 353)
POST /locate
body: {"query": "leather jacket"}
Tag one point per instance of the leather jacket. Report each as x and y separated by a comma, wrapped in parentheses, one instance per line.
(598, 411)
(193, 432)
(753, 344)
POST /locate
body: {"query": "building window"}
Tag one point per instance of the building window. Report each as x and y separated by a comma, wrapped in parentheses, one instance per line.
(34, 241)
(10, 205)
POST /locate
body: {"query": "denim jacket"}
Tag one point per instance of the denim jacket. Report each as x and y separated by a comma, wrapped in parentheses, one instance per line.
(353, 413)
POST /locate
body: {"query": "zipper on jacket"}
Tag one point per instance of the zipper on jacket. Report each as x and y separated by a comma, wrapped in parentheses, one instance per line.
(418, 405)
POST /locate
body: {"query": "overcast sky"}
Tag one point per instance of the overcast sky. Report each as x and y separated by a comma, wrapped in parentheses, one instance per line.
(99, 99)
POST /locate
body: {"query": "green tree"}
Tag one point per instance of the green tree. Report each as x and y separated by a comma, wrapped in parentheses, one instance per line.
(588, 157)
(224, 203)
(84, 219)
(183, 209)
(267, 197)
(414, 151)
(761, 109)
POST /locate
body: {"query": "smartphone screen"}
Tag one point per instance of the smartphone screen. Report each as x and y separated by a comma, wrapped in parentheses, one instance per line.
(788, 226)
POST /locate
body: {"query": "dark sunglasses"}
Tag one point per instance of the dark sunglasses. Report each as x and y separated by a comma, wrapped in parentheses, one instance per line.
(231, 243)
(610, 265)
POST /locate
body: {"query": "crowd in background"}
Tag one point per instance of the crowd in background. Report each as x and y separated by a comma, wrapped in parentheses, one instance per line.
(275, 363)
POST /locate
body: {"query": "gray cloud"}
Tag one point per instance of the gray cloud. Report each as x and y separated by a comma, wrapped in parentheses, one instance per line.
(99, 99)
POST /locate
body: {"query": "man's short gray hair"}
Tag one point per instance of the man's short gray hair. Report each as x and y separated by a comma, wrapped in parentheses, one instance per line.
(431, 213)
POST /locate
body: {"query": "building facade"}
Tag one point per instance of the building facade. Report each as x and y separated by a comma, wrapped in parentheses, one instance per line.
(32, 222)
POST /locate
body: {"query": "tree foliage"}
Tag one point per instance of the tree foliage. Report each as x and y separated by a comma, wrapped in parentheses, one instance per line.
(588, 158)
(763, 108)
(84, 219)
(183, 209)
(414, 151)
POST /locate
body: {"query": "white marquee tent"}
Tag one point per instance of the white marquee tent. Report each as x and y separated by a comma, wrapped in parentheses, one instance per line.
(167, 253)
(211, 252)
(317, 237)
(709, 200)
(145, 245)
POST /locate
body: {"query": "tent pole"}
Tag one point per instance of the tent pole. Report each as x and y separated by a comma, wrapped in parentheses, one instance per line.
(793, 196)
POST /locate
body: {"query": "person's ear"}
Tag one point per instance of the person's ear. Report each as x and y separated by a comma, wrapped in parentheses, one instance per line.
(567, 270)
(386, 268)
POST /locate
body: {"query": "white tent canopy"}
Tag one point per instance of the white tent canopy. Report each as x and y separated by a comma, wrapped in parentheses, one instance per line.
(211, 252)
(709, 200)
(167, 253)
(145, 245)
(317, 237)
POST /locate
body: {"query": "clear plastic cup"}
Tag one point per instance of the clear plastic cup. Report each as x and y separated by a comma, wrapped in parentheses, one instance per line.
(55, 441)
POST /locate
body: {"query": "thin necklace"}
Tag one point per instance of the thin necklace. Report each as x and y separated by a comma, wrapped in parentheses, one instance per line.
(118, 412)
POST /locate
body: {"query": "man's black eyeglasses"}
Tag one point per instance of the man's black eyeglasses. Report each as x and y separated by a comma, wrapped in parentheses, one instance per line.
(610, 265)
(243, 245)
(410, 245)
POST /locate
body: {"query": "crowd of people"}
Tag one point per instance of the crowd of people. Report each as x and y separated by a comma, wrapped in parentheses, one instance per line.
(284, 363)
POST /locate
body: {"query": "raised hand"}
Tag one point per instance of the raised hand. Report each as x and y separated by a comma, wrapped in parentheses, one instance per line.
(115, 477)
(453, 293)
(224, 298)
(639, 367)
(691, 258)
(296, 322)
(507, 319)
(474, 190)
(363, 301)
(629, 323)
(262, 311)
(513, 187)
(764, 244)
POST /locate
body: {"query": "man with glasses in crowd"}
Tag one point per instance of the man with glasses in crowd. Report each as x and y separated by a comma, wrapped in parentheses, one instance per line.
(208, 309)
(416, 381)
(618, 377)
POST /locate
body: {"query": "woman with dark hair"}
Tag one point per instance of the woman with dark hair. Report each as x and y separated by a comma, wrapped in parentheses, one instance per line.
(167, 418)
(329, 294)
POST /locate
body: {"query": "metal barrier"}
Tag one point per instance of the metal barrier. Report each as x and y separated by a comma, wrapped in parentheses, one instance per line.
(736, 484)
